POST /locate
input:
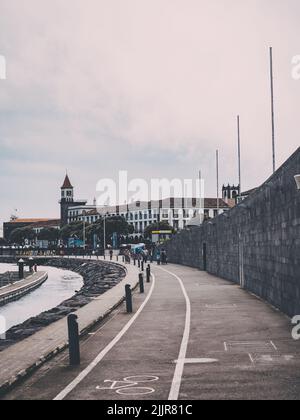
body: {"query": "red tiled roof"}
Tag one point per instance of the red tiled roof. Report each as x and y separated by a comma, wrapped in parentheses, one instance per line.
(67, 183)
(212, 203)
(30, 220)
(46, 223)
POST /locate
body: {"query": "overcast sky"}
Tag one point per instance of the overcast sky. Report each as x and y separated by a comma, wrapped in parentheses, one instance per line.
(148, 86)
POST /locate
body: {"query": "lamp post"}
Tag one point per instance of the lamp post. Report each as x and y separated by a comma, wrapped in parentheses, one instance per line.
(239, 154)
(217, 167)
(84, 236)
(104, 234)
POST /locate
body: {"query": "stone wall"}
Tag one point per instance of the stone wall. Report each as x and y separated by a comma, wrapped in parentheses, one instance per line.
(256, 245)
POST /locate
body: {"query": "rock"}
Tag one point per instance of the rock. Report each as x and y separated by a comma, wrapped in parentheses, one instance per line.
(98, 277)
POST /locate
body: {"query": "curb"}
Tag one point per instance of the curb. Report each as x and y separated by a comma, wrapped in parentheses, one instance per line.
(25, 373)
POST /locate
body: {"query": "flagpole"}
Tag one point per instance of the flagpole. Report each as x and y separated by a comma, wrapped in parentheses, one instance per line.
(217, 164)
(239, 154)
(272, 109)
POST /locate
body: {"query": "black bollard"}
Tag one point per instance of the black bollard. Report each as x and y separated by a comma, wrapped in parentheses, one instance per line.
(134, 262)
(117, 257)
(142, 265)
(148, 271)
(123, 258)
(141, 281)
(21, 269)
(128, 295)
(139, 263)
(73, 331)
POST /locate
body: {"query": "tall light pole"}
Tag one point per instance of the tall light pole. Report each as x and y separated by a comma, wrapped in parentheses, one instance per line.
(272, 110)
(84, 235)
(239, 153)
(104, 233)
(201, 208)
(217, 167)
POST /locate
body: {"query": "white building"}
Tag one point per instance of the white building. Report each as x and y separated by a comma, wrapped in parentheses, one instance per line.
(176, 211)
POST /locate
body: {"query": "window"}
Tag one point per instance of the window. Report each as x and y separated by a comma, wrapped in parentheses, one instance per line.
(165, 213)
(176, 214)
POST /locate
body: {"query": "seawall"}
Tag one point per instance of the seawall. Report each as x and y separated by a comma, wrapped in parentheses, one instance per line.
(257, 244)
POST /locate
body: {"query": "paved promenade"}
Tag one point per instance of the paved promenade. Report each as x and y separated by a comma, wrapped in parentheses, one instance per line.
(192, 336)
(17, 360)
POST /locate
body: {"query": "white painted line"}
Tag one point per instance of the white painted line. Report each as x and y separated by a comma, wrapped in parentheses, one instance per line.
(274, 345)
(175, 388)
(198, 361)
(63, 394)
(251, 358)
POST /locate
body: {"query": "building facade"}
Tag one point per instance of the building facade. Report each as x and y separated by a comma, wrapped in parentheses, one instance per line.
(175, 211)
(36, 224)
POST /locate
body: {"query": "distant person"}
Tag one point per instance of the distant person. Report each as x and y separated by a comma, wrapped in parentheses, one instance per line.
(145, 256)
(158, 257)
(164, 259)
(111, 253)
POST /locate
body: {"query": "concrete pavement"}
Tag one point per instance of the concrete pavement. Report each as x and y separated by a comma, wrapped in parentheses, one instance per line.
(22, 358)
(230, 345)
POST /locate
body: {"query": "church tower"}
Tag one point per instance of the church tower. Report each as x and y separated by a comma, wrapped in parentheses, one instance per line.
(66, 201)
(230, 194)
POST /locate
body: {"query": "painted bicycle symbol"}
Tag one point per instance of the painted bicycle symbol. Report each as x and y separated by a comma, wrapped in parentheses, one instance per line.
(131, 385)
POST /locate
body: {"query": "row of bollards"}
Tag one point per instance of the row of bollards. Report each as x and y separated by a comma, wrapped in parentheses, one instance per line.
(73, 328)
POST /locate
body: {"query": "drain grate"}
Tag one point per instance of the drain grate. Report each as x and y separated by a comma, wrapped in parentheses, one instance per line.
(268, 359)
(252, 347)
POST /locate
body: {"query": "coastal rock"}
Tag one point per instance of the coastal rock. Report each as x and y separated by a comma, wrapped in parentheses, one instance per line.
(98, 278)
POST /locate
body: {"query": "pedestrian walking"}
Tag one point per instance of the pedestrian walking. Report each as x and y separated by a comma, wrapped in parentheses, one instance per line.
(164, 259)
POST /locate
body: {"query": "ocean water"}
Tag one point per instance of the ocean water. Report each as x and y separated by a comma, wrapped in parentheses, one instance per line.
(61, 285)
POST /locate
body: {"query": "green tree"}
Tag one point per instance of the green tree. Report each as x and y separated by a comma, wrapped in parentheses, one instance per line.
(49, 234)
(20, 235)
(113, 224)
(71, 230)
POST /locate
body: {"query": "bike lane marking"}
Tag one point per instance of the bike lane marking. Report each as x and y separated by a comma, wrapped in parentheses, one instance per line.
(66, 391)
(180, 362)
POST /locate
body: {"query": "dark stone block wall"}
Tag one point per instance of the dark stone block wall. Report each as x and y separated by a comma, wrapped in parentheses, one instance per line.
(256, 245)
